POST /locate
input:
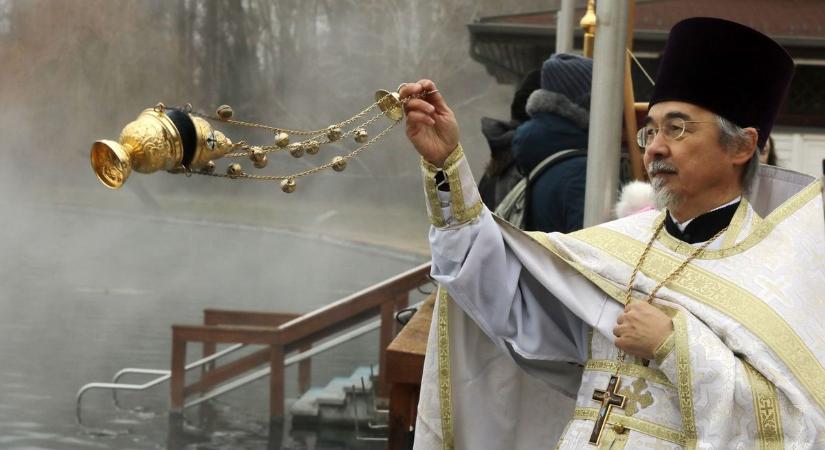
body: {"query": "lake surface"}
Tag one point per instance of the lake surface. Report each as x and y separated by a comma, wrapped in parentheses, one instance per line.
(84, 293)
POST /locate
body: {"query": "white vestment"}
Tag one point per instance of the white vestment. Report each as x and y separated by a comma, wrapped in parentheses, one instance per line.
(743, 368)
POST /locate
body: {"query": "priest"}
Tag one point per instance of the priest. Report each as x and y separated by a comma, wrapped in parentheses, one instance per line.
(697, 326)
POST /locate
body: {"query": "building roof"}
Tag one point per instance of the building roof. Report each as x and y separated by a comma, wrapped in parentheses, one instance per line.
(511, 45)
(786, 18)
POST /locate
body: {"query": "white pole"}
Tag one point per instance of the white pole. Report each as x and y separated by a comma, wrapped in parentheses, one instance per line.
(606, 111)
(565, 21)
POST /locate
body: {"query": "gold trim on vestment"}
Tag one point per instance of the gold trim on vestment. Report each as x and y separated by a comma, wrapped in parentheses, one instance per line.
(444, 378)
(633, 370)
(766, 408)
(759, 230)
(452, 170)
(643, 426)
(684, 380)
(726, 297)
(613, 440)
(468, 214)
(664, 349)
(756, 221)
(454, 156)
(436, 215)
(615, 291)
(735, 226)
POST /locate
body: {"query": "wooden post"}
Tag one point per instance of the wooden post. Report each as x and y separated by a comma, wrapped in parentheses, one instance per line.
(209, 348)
(387, 333)
(178, 373)
(403, 402)
(635, 154)
(276, 382)
(304, 372)
(405, 365)
(389, 328)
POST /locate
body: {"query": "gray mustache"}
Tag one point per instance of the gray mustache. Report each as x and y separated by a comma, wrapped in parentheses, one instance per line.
(660, 166)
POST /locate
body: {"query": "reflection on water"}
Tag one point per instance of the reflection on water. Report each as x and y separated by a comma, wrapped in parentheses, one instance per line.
(81, 299)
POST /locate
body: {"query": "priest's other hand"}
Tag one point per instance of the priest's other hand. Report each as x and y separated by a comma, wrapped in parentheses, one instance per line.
(431, 124)
(641, 329)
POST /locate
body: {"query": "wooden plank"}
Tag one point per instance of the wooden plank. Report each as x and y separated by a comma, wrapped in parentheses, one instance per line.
(294, 339)
(258, 318)
(405, 355)
(339, 318)
(228, 334)
(413, 337)
(356, 304)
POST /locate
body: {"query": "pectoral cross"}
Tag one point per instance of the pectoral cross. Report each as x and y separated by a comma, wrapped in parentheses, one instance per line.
(608, 398)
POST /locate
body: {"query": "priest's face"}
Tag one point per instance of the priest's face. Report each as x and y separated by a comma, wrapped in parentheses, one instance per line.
(689, 168)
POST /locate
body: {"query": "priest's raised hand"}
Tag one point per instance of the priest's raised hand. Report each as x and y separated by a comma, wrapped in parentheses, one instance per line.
(431, 124)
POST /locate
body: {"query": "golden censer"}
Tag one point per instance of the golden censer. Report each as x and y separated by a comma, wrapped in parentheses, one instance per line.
(179, 140)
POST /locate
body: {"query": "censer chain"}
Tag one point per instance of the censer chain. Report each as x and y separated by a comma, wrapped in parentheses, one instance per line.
(275, 148)
(295, 132)
(348, 156)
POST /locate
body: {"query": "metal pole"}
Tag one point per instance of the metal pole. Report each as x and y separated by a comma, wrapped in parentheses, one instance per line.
(565, 21)
(605, 111)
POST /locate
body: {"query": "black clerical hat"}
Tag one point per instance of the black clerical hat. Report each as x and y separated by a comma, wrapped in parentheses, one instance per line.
(727, 68)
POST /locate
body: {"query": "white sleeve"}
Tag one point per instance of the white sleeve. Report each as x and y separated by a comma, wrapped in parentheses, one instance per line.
(488, 281)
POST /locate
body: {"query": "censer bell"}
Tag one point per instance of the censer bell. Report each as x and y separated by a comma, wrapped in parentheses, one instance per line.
(390, 104)
(159, 139)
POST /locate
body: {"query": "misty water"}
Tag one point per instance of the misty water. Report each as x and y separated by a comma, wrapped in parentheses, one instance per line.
(88, 306)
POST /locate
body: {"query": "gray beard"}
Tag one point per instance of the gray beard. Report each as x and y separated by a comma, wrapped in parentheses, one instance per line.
(663, 198)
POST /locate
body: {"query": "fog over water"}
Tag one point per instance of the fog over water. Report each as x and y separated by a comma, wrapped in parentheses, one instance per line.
(92, 279)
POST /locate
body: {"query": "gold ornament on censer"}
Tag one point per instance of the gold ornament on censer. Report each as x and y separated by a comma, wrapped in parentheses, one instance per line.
(179, 140)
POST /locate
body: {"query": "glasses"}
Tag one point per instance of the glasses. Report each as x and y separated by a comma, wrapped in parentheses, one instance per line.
(673, 129)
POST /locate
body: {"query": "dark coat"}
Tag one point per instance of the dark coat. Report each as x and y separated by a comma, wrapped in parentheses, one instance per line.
(501, 173)
(556, 200)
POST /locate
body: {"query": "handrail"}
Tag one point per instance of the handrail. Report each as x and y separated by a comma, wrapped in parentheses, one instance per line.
(165, 375)
(201, 362)
(350, 307)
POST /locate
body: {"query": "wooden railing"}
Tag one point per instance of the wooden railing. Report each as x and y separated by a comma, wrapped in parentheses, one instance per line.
(283, 334)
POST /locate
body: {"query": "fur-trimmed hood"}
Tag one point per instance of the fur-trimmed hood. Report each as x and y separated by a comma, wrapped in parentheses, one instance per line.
(542, 100)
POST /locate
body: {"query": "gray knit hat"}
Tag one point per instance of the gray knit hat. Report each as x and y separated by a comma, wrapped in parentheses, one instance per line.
(569, 75)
